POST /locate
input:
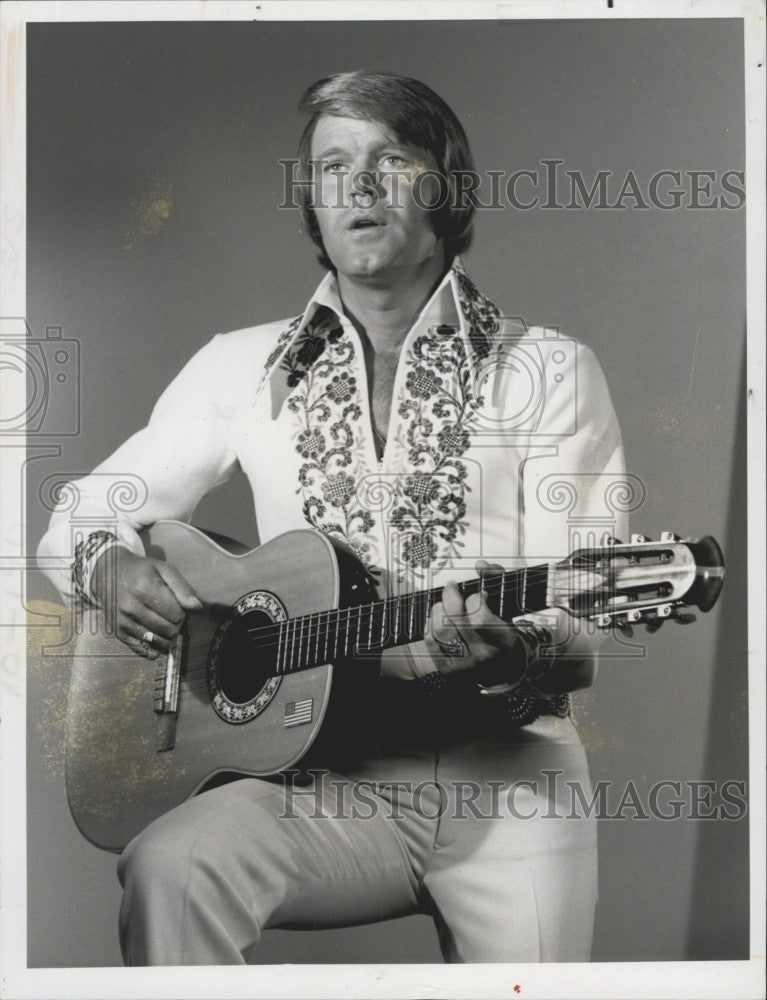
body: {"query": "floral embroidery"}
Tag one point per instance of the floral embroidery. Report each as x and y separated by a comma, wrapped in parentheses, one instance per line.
(419, 552)
(439, 410)
(453, 439)
(422, 383)
(339, 490)
(330, 440)
(439, 407)
(442, 410)
(311, 444)
(282, 342)
(421, 487)
(481, 315)
(342, 387)
(311, 348)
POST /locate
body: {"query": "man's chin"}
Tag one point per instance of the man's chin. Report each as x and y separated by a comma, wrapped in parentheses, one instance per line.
(366, 266)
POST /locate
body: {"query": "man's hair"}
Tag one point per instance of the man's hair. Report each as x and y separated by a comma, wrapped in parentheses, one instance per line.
(414, 115)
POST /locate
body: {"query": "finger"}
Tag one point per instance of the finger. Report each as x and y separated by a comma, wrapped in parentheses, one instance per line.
(478, 610)
(450, 620)
(131, 633)
(442, 663)
(454, 617)
(142, 631)
(154, 596)
(440, 628)
(484, 631)
(447, 618)
(156, 610)
(484, 568)
(489, 574)
(441, 634)
(137, 608)
(452, 602)
(182, 590)
(446, 662)
(138, 630)
(469, 614)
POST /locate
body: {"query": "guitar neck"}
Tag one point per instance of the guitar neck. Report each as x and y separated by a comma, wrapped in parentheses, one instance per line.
(369, 629)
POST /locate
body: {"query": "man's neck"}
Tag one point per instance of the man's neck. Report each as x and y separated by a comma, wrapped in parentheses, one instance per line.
(384, 312)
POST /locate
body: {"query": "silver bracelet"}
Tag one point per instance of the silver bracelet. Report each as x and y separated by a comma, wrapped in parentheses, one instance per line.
(536, 642)
(86, 552)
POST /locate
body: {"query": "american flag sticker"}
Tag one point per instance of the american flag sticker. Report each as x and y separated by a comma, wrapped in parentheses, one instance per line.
(298, 713)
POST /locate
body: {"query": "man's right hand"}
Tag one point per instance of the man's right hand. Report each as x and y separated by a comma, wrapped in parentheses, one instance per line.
(142, 595)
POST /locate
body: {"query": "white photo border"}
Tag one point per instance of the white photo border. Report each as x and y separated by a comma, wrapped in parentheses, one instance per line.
(613, 980)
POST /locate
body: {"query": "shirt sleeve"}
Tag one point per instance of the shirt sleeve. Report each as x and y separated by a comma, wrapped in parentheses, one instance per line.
(574, 484)
(162, 471)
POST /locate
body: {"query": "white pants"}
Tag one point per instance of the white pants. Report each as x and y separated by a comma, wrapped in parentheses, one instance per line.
(488, 837)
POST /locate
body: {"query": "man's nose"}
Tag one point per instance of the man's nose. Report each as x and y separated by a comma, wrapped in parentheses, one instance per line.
(365, 187)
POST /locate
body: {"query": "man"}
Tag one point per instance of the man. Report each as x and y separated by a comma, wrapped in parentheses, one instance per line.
(401, 414)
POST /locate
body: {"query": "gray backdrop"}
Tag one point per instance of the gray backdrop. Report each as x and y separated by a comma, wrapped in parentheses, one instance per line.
(153, 186)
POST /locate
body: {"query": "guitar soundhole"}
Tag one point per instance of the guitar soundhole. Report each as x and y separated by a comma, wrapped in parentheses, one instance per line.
(241, 673)
(243, 656)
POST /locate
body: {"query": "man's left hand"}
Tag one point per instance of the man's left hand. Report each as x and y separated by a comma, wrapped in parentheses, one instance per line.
(463, 635)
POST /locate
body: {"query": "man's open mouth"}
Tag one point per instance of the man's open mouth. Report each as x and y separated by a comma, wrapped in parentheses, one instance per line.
(364, 223)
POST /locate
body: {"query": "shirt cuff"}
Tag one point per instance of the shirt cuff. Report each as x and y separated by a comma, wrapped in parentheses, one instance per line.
(87, 554)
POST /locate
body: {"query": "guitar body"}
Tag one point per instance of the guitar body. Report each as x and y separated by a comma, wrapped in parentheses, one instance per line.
(130, 755)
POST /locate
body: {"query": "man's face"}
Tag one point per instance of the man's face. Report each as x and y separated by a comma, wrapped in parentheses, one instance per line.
(371, 224)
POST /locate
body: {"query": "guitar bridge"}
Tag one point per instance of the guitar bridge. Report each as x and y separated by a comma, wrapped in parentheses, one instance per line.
(166, 689)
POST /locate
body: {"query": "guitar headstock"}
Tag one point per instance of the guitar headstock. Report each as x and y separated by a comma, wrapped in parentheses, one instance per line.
(642, 581)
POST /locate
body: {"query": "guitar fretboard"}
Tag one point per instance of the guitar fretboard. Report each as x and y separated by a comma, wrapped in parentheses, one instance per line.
(368, 629)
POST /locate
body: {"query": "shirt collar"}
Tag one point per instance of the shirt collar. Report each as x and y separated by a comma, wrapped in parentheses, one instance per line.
(452, 304)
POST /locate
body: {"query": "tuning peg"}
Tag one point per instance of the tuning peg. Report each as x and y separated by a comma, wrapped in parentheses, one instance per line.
(669, 536)
(609, 540)
(624, 628)
(683, 617)
(653, 624)
(638, 539)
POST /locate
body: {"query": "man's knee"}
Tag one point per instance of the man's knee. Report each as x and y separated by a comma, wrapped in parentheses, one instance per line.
(155, 859)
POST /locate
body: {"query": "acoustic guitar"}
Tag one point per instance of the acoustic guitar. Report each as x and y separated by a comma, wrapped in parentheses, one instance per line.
(248, 683)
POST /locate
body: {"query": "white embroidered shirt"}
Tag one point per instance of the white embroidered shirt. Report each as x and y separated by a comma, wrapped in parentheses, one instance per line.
(502, 445)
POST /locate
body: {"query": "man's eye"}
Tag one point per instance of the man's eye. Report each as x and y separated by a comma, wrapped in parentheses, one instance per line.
(394, 160)
(333, 167)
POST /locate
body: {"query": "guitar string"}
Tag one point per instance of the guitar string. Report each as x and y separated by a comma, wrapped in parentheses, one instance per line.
(196, 677)
(367, 613)
(380, 606)
(310, 631)
(270, 635)
(418, 597)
